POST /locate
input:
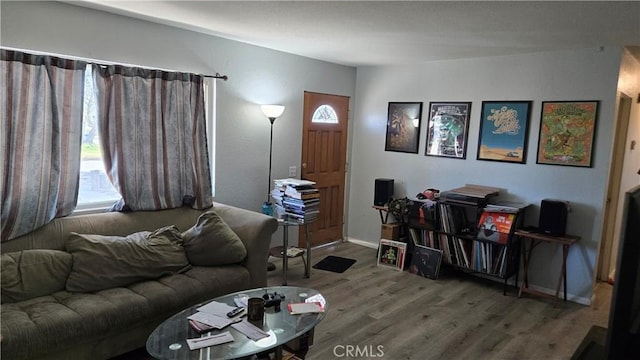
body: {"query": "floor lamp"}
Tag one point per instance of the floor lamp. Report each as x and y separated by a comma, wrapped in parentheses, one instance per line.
(272, 112)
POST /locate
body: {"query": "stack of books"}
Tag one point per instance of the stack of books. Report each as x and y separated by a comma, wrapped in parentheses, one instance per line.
(296, 200)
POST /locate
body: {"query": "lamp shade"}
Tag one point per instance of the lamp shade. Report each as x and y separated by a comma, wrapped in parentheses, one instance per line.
(272, 111)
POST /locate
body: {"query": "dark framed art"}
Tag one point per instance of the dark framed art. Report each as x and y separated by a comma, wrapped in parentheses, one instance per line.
(567, 132)
(504, 131)
(403, 127)
(425, 262)
(447, 130)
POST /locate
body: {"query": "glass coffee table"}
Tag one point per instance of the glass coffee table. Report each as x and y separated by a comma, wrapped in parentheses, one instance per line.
(168, 340)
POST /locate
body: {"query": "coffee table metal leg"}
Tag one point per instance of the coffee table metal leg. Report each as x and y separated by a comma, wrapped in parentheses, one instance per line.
(278, 353)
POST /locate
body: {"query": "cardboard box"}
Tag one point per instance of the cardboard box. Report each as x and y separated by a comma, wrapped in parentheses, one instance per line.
(390, 231)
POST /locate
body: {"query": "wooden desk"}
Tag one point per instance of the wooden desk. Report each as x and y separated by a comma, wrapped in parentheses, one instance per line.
(534, 240)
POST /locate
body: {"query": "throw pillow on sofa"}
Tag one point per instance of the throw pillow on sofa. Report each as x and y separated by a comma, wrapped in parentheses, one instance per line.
(103, 262)
(211, 242)
(31, 273)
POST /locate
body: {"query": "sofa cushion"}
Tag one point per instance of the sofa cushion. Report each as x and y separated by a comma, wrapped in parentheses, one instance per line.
(211, 242)
(103, 262)
(32, 273)
(30, 329)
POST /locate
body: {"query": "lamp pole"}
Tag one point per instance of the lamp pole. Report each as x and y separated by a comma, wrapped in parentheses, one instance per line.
(272, 120)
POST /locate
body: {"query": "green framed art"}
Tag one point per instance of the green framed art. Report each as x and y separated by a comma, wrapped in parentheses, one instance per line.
(567, 133)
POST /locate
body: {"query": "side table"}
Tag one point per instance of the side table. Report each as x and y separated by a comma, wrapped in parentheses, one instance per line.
(534, 240)
(382, 209)
(281, 251)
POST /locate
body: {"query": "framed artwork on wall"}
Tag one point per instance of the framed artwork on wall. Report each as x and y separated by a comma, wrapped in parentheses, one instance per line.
(504, 130)
(567, 132)
(403, 127)
(447, 129)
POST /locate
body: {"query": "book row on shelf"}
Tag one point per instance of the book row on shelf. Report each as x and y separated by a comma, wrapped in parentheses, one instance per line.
(476, 242)
(480, 256)
(295, 200)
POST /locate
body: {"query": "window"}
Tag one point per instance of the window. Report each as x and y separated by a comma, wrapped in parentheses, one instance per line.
(325, 114)
(95, 188)
(209, 106)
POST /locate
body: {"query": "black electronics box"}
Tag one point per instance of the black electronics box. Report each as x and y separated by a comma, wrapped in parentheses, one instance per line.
(383, 192)
(553, 217)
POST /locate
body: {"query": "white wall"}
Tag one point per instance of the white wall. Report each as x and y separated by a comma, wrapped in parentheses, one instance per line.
(589, 74)
(256, 76)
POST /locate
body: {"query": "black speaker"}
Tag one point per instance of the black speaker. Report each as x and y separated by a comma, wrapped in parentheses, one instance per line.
(553, 217)
(383, 191)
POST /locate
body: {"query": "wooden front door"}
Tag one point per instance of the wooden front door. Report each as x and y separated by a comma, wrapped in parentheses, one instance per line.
(324, 156)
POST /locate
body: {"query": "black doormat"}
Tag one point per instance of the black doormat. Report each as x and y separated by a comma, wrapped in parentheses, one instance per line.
(334, 263)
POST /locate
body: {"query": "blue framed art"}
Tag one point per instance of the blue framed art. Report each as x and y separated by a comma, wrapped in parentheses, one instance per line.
(504, 130)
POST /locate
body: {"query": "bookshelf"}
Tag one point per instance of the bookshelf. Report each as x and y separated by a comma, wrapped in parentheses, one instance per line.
(473, 231)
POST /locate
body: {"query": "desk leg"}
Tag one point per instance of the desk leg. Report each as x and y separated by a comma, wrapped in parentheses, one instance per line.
(563, 273)
(285, 246)
(525, 265)
(565, 249)
(384, 218)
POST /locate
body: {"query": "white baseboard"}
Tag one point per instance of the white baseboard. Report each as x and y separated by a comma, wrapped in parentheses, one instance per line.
(368, 244)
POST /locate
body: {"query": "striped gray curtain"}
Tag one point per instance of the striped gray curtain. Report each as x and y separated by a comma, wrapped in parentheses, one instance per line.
(153, 136)
(41, 98)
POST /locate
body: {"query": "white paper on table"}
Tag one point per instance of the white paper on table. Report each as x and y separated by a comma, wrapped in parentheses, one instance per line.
(216, 308)
(210, 340)
(216, 321)
(251, 331)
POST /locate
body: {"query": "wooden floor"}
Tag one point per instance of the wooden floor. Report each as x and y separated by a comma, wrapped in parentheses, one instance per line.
(458, 316)
(386, 314)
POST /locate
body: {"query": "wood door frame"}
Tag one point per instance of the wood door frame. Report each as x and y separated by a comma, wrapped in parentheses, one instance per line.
(344, 156)
(611, 222)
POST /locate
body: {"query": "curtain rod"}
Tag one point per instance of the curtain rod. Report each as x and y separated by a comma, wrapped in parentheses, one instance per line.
(106, 63)
(217, 76)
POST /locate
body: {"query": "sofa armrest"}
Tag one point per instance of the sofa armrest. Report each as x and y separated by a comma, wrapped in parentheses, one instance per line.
(255, 230)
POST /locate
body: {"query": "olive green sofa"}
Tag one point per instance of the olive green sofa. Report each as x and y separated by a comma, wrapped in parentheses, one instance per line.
(109, 322)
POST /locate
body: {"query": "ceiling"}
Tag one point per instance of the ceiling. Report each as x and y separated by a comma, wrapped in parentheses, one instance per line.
(360, 33)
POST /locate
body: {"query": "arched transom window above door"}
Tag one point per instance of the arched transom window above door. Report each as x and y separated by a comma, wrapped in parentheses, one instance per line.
(325, 114)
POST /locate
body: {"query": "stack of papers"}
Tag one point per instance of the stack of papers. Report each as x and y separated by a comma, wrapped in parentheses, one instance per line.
(210, 340)
(251, 331)
(213, 314)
